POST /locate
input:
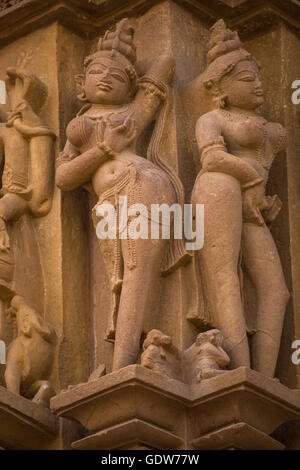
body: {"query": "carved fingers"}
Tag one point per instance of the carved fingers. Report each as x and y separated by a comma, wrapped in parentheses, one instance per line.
(118, 132)
(253, 199)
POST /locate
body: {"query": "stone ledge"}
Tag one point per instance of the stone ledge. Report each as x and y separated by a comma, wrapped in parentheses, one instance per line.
(27, 425)
(131, 433)
(239, 436)
(134, 401)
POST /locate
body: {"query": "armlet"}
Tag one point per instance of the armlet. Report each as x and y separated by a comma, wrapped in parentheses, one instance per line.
(215, 144)
(154, 87)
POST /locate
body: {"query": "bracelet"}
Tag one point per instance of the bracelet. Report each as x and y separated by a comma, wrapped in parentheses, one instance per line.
(252, 183)
(213, 147)
(106, 149)
(153, 87)
(219, 141)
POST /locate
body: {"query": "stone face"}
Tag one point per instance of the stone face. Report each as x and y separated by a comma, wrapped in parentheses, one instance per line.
(149, 346)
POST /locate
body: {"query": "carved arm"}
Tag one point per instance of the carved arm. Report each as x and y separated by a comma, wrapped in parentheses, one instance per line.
(74, 170)
(214, 155)
(155, 74)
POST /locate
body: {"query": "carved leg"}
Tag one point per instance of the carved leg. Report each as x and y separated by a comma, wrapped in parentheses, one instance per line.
(13, 375)
(139, 292)
(221, 196)
(42, 391)
(263, 264)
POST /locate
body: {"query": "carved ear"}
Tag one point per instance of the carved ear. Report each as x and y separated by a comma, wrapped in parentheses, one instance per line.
(79, 80)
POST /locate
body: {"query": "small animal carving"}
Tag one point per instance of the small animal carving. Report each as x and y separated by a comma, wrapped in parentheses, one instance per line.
(160, 355)
(30, 355)
(206, 358)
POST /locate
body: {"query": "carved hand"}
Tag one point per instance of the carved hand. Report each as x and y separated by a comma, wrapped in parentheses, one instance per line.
(253, 200)
(118, 132)
(25, 113)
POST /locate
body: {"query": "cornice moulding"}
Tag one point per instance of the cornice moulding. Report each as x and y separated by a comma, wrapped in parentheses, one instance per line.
(88, 17)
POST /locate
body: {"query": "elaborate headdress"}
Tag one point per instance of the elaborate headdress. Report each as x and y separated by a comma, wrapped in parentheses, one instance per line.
(224, 51)
(117, 45)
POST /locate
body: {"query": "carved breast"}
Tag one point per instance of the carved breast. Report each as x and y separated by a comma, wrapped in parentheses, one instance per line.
(246, 134)
(80, 132)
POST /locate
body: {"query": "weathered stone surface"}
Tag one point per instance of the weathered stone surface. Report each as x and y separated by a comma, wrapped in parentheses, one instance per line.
(135, 396)
(27, 425)
(61, 271)
(238, 436)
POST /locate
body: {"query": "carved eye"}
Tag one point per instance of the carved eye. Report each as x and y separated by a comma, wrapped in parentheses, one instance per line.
(96, 71)
(118, 77)
(248, 78)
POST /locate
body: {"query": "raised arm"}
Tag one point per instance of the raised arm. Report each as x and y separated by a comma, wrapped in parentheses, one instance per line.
(155, 75)
(214, 155)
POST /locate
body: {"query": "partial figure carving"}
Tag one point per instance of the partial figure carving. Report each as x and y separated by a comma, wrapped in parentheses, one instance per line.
(237, 147)
(206, 358)
(160, 355)
(30, 355)
(26, 155)
(123, 96)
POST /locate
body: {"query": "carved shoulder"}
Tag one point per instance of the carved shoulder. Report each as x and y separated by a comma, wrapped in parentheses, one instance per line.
(208, 131)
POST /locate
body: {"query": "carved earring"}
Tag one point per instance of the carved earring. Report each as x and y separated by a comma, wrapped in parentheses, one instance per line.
(220, 101)
(82, 97)
(79, 80)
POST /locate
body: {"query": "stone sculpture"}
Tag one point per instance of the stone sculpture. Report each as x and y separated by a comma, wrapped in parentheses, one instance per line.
(160, 355)
(26, 153)
(237, 147)
(122, 98)
(206, 358)
(30, 355)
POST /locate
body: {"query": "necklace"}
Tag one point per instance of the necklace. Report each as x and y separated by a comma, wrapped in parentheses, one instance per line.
(93, 113)
(261, 122)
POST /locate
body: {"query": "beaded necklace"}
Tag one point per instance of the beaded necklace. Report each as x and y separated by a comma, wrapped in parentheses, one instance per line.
(262, 122)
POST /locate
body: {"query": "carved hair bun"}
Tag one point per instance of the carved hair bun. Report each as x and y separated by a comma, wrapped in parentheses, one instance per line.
(222, 41)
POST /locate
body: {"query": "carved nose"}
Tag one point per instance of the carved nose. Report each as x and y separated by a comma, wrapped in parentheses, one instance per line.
(105, 74)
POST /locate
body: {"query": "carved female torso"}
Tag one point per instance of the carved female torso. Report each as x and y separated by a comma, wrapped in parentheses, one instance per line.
(251, 138)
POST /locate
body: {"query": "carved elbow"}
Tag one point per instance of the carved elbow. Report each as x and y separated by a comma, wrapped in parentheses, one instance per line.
(40, 209)
(61, 182)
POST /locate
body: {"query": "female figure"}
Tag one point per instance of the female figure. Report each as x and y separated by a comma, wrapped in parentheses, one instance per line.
(237, 147)
(26, 161)
(100, 155)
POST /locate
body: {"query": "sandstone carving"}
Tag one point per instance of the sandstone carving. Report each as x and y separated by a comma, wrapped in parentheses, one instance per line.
(27, 158)
(237, 147)
(122, 97)
(30, 355)
(206, 358)
(160, 355)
